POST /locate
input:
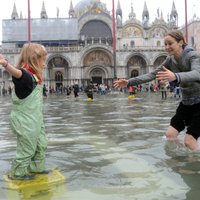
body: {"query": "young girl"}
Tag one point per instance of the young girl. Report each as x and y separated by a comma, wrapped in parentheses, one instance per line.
(182, 66)
(26, 115)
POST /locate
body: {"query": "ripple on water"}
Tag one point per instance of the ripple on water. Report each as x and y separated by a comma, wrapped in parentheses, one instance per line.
(110, 148)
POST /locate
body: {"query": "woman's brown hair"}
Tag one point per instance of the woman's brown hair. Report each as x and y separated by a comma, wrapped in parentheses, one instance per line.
(178, 36)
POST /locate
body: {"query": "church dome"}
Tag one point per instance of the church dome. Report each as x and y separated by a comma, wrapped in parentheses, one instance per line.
(87, 5)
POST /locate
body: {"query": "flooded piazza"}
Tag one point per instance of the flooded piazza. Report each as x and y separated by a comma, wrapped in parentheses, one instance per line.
(111, 148)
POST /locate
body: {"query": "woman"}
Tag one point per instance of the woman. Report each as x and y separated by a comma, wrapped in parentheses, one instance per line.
(183, 67)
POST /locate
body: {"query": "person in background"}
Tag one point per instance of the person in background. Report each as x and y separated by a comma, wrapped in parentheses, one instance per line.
(130, 89)
(76, 90)
(183, 67)
(163, 88)
(177, 92)
(45, 90)
(89, 90)
(26, 115)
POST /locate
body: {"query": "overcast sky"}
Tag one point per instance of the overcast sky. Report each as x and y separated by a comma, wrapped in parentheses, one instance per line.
(138, 5)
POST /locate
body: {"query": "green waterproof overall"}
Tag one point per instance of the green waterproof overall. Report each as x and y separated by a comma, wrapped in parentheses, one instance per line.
(27, 123)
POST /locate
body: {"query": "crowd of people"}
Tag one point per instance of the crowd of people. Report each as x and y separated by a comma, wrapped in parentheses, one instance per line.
(167, 90)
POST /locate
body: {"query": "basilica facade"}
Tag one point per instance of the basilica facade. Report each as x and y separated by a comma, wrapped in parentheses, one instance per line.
(80, 46)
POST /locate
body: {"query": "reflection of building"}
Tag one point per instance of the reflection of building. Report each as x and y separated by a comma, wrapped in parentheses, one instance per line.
(80, 46)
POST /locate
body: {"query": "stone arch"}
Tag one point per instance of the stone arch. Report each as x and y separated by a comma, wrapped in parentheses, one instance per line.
(95, 61)
(103, 70)
(87, 50)
(57, 71)
(157, 32)
(132, 30)
(58, 61)
(136, 64)
(97, 75)
(97, 57)
(159, 60)
(94, 29)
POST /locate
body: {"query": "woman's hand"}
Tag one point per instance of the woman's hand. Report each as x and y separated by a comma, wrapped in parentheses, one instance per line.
(120, 83)
(165, 75)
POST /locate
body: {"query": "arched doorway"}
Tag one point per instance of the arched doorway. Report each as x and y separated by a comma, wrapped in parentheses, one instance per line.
(58, 80)
(58, 71)
(97, 67)
(136, 66)
(97, 75)
(134, 73)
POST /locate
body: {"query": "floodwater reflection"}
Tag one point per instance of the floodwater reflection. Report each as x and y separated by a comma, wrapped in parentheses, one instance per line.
(110, 148)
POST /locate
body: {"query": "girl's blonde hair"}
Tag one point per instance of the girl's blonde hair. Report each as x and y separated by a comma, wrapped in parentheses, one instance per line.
(31, 55)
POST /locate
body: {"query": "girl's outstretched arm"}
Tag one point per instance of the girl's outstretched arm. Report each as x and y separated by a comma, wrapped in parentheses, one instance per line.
(9, 68)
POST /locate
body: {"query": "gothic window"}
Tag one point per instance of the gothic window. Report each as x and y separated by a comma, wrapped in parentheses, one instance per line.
(132, 44)
(158, 44)
(134, 73)
(58, 76)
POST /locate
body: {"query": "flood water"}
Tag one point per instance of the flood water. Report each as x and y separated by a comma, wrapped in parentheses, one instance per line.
(111, 148)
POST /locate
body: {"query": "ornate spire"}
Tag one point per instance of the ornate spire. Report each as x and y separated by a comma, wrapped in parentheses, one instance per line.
(119, 10)
(132, 14)
(145, 14)
(174, 11)
(174, 16)
(119, 15)
(14, 13)
(43, 13)
(57, 12)
(71, 10)
(161, 15)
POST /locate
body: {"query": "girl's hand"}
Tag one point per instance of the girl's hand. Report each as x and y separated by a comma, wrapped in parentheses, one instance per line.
(165, 75)
(120, 83)
(3, 61)
(9, 68)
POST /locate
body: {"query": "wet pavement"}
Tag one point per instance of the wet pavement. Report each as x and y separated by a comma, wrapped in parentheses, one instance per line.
(111, 148)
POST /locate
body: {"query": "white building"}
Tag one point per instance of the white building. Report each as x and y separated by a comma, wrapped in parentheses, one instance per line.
(80, 46)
